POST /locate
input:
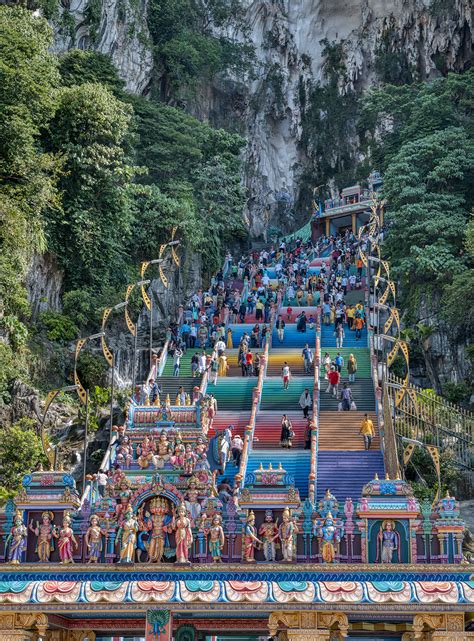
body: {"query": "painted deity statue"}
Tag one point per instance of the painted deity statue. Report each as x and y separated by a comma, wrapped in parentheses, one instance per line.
(329, 536)
(93, 539)
(162, 455)
(124, 499)
(145, 452)
(184, 536)
(156, 524)
(189, 459)
(16, 540)
(388, 542)
(216, 538)
(268, 532)
(127, 536)
(66, 540)
(287, 533)
(44, 533)
(177, 459)
(328, 504)
(125, 452)
(192, 499)
(250, 539)
(200, 447)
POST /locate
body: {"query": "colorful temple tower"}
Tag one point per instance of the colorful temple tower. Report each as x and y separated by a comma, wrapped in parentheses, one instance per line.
(179, 537)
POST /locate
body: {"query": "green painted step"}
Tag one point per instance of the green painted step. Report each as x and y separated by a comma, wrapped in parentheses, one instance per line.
(233, 393)
(362, 356)
(274, 397)
(185, 368)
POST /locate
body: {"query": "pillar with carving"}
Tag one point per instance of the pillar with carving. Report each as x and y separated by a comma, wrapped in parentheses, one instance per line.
(22, 627)
(308, 626)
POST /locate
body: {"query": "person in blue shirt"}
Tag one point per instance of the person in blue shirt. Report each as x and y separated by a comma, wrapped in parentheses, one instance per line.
(185, 331)
(339, 362)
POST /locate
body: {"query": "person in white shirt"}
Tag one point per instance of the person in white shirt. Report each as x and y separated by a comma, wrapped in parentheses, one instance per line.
(102, 480)
(237, 446)
(306, 402)
(285, 374)
(220, 347)
(202, 363)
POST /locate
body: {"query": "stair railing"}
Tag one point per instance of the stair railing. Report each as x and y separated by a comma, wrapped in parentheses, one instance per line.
(313, 474)
(431, 420)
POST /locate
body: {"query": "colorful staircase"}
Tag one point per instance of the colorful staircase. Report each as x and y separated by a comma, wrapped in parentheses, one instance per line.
(343, 465)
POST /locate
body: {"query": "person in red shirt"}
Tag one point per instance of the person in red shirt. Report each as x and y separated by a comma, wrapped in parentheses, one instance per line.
(289, 312)
(334, 379)
(249, 363)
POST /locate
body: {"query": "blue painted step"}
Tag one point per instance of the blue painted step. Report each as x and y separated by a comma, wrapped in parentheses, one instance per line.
(292, 338)
(346, 473)
(329, 340)
(296, 462)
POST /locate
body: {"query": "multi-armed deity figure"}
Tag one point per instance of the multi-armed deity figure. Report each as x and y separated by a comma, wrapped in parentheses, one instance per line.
(329, 535)
(45, 538)
(216, 538)
(93, 539)
(158, 525)
(388, 542)
(125, 452)
(184, 536)
(268, 531)
(287, 533)
(250, 539)
(127, 537)
(16, 540)
(66, 540)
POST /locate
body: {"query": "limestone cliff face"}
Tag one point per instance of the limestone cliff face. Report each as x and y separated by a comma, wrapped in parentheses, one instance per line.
(44, 283)
(115, 27)
(288, 39)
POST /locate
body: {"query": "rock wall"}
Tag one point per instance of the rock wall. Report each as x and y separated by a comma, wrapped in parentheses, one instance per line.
(288, 37)
(44, 283)
(119, 29)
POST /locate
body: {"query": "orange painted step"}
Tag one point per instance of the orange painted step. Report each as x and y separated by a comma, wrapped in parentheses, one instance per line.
(340, 431)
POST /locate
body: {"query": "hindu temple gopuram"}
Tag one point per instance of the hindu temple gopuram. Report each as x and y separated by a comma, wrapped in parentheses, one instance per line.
(239, 499)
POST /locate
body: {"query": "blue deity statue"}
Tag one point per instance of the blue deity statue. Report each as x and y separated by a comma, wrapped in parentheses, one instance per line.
(388, 542)
(329, 533)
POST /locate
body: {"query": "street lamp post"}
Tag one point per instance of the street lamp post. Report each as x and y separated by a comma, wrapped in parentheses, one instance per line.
(51, 455)
(83, 396)
(132, 327)
(110, 356)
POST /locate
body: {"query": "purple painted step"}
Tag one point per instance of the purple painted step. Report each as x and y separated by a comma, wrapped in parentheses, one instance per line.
(346, 473)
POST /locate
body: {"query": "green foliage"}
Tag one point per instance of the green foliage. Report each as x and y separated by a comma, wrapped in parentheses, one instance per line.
(92, 370)
(78, 67)
(424, 142)
(328, 124)
(391, 61)
(16, 331)
(457, 392)
(12, 366)
(421, 465)
(92, 15)
(90, 233)
(198, 170)
(58, 327)
(28, 82)
(185, 47)
(20, 452)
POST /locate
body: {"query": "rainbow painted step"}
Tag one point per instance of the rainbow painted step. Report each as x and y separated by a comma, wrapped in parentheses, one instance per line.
(277, 399)
(346, 473)
(296, 462)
